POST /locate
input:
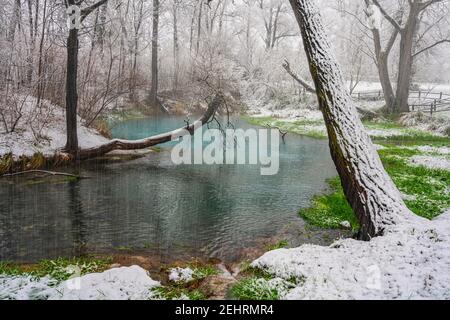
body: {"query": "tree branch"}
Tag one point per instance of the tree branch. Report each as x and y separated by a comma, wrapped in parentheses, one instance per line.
(304, 83)
(431, 46)
(87, 11)
(387, 16)
(118, 144)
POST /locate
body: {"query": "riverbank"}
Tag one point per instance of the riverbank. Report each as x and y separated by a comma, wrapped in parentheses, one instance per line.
(417, 160)
(346, 270)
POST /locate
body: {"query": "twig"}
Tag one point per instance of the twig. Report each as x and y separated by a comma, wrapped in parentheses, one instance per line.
(50, 173)
(283, 133)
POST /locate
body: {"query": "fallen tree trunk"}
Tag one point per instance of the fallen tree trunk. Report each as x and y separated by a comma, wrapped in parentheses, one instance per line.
(370, 191)
(118, 144)
(8, 164)
(366, 114)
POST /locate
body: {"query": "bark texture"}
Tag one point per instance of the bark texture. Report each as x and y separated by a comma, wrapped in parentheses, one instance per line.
(370, 191)
(71, 91)
(155, 34)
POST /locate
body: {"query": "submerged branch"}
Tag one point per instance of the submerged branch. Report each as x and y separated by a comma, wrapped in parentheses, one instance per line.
(46, 172)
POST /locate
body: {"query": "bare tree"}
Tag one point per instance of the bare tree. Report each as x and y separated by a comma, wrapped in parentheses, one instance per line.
(176, 45)
(153, 96)
(272, 11)
(72, 74)
(406, 23)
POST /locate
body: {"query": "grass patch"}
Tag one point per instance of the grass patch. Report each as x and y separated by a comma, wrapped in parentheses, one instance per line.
(59, 269)
(428, 190)
(156, 149)
(254, 289)
(330, 210)
(312, 129)
(260, 288)
(11, 269)
(279, 245)
(203, 271)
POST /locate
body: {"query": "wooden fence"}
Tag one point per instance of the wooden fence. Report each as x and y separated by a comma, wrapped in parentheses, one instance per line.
(419, 100)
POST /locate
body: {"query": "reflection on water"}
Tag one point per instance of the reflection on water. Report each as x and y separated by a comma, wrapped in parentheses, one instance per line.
(150, 204)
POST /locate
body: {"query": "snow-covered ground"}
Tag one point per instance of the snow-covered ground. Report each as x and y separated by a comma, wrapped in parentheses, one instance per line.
(365, 86)
(48, 137)
(431, 162)
(412, 261)
(125, 283)
(181, 274)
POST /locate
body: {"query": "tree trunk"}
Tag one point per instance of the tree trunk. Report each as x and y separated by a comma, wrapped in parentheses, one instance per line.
(71, 92)
(176, 47)
(386, 85)
(14, 22)
(30, 65)
(382, 58)
(406, 59)
(370, 191)
(199, 26)
(155, 33)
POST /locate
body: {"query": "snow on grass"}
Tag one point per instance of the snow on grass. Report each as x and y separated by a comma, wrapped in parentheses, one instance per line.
(433, 150)
(181, 274)
(44, 132)
(254, 288)
(125, 283)
(314, 127)
(24, 287)
(430, 162)
(412, 261)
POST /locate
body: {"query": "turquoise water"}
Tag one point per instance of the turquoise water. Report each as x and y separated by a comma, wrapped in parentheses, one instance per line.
(152, 206)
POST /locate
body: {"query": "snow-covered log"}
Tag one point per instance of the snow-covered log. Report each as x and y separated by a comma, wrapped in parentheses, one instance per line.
(118, 144)
(368, 188)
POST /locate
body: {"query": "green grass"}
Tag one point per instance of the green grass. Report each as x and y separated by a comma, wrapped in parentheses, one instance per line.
(279, 245)
(427, 190)
(156, 149)
(330, 210)
(203, 271)
(254, 288)
(10, 269)
(124, 248)
(59, 269)
(313, 129)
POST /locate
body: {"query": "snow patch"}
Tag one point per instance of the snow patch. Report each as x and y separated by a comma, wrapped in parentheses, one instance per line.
(181, 274)
(430, 149)
(27, 140)
(412, 261)
(125, 283)
(430, 162)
